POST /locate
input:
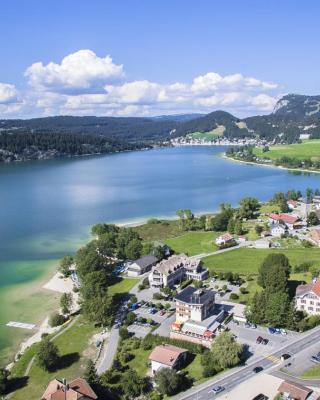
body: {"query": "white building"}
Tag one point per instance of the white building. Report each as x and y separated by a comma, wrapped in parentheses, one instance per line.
(167, 356)
(175, 269)
(224, 239)
(278, 230)
(194, 304)
(308, 298)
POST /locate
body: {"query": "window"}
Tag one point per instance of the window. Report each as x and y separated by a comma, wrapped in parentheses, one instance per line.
(317, 309)
(310, 308)
(303, 302)
(311, 302)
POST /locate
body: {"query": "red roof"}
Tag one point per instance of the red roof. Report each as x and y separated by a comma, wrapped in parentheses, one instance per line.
(311, 287)
(287, 218)
(208, 334)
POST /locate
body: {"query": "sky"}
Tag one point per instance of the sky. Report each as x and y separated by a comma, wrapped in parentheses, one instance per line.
(152, 57)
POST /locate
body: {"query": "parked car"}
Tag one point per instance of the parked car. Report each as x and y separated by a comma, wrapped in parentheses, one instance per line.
(265, 341)
(283, 331)
(256, 370)
(253, 326)
(261, 396)
(277, 331)
(315, 359)
(271, 330)
(162, 312)
(259, 339)
(247, 325)
(285, 356)
(218, 389)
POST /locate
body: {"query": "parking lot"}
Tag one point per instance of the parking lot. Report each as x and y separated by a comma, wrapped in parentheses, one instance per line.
(249, 336)
(139, 331)
(145, 313)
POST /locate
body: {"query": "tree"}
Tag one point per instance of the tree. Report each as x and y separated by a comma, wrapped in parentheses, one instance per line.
(255, 311)
(131, 317)
(226, 351)
(133, 249)
(47, 355)
(231, 226)
(56, 319)
(248, 207)
(125, 236)
(258, 229)
(238, 227)
(132, 385)
(312, 219)
(271, 260)
(221, 220)
(65, 264)
(100, 229)
(124, 333)
(88, 260)
(90, 374)
(277, 309)
(169, 381)
(4, 373)
(66, 303)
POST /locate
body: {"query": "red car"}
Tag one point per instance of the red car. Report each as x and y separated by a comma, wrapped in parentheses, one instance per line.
(259, 339)
(162, 312)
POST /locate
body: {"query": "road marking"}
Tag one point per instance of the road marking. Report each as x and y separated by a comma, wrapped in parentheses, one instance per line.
(274, 359)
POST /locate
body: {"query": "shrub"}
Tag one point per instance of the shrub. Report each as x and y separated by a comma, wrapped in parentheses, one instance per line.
(56, 319)
(243, 290)
(157, 296)
(234, 296)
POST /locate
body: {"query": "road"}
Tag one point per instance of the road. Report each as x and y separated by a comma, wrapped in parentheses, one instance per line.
(213, 253)
(110, 350)
(240, 374)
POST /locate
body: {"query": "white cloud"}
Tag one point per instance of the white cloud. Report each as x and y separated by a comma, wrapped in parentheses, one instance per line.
(86, 84)
(8, 93)
(78, 72)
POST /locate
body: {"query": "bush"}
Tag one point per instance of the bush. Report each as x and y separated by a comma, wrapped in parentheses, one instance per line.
(186, 283)
(56, 319)
(157, 296)
(234, 296)
(243, 290)
(131, 317)
(124, 333)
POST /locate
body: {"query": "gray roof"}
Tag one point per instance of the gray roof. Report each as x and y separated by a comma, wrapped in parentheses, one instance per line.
(146, 261)
(192, 295)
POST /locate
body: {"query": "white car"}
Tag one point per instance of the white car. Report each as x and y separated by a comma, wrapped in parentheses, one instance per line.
(283, 331)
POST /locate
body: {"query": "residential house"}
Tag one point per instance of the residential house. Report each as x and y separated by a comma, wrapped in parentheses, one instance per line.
(291, 221)
(277, 230)
(294, 391)
(195, 304)
(175, 269)
(77, 389)
(308, 298)
(142, 265)
(224, 239)
(292, 204)
(315, 236)
(167, 356)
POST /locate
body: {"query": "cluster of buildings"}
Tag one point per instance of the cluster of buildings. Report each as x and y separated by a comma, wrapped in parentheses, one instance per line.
(78, 389)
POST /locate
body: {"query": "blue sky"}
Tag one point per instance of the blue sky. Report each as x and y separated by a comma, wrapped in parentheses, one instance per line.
(158, 44)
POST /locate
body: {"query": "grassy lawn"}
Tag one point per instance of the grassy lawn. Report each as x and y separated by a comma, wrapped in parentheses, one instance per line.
(158, 230)
(247, 261)
(75, 349)
(306, 149)
(123, 286)
(192, 243)
(194, 370)
(312, 373)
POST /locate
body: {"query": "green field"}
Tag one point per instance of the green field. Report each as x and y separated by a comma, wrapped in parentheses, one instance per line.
(309, 149)
(158, 229)
(75, 349)
(207, 136)
(247, 261)
(312, 373)
(123, 286)
(192, 243)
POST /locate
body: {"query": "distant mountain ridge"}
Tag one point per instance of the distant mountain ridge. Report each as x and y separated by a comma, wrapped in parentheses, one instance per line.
(293, 115)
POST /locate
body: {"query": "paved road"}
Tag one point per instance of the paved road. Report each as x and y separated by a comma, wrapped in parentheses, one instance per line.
(110, 350)
(213, 253)
(240, 374)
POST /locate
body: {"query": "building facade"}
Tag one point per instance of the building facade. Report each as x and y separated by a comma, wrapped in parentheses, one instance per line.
(194, 304)
(142, 265)
(307, 298)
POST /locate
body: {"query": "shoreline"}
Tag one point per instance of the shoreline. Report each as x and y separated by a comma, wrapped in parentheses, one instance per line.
(271, 165)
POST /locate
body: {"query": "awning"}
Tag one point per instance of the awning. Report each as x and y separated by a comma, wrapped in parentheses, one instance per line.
(208, 334)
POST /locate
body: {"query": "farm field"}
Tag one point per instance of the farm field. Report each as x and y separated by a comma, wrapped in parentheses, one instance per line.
(304, 150)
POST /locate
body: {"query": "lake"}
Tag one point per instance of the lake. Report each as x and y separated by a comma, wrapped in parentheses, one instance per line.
(47, 207)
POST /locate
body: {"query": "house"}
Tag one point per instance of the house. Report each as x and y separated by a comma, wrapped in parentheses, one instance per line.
(278, 230)
(292, 204)
(315, 236)
(78, 389)
(175, 269)
(224, 239)
(195, 304)
(291, 221)
(167, 251)
(308, 298)
(142, 265)
(294, 391)
(167, 356)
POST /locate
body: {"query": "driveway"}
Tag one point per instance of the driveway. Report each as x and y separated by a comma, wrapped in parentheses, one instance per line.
(164, 328)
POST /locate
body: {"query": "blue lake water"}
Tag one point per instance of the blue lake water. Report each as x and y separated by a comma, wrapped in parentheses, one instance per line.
(47, 207)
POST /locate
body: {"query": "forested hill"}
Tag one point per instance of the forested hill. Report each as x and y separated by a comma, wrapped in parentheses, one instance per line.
(293, 115)
(33, 146)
